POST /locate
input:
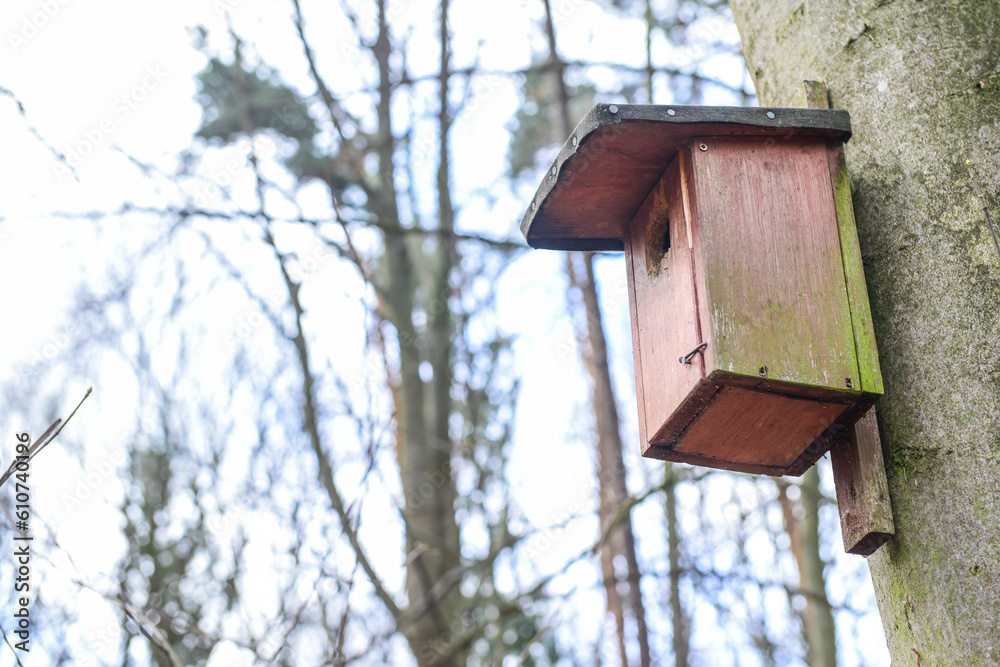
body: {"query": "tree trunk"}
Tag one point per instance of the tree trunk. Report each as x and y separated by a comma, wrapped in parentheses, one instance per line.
(422, 441)
(921, 82)
(680, 641)
(612, 488)
(818, 625)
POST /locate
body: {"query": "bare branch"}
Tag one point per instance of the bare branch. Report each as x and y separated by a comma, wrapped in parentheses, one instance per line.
(40, 443)
(338, 115)
(35, 133)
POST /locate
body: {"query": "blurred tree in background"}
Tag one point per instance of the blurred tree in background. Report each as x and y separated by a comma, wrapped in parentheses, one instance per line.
(293, 499)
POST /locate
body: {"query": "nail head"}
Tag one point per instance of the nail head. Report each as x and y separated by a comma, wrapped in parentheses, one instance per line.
(613, 108)
(671, 112)
(770, 114)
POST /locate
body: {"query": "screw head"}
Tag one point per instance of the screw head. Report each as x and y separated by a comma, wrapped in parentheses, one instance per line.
(671, 112)
(770, 114)
(613, 108)
(703, 147)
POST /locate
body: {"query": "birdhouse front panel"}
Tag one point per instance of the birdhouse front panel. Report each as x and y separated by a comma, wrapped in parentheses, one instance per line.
(775, 294)
(750, 321)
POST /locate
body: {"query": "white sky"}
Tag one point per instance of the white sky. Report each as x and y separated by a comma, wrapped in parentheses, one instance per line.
(93, 76)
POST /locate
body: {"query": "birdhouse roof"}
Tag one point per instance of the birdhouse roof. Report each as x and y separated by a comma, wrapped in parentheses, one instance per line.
(617, 153)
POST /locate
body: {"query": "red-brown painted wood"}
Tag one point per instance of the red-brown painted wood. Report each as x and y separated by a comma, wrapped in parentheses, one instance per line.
(763, 266)
(776, 293)
(866, 521)
(664, 327)
(754, 269)
(612, 160)
(744, 427)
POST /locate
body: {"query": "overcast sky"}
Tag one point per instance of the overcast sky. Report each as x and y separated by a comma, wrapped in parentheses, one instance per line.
(106, 79)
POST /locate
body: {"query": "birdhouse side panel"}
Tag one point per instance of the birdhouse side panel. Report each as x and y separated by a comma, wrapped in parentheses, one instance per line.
(775, 290)
(696, 243)
(636, 356)
(664, 323)
(857, 290)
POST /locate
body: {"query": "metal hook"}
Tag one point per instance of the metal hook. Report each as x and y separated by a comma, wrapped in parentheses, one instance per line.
(686, 359)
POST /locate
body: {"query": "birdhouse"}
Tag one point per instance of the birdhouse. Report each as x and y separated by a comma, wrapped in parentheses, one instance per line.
(751, 327)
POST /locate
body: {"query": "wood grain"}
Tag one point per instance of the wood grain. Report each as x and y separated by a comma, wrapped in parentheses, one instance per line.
(664, 325)
(862, 489)
(607, 167)
(775, 287)
(869, 370)
(764, 233)
(757, 428)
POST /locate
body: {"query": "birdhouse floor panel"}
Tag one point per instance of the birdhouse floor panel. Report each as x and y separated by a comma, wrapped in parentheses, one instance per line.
(757, 428)
(753, 425)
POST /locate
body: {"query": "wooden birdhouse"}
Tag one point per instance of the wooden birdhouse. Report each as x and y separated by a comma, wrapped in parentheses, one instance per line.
(751, 327)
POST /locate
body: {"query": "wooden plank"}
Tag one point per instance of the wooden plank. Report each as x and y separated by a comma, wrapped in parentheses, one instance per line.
(745, 427)
(836, 434)
(663, 306)
(613, 159)
(862, 489)
(671, 442)
(857, 291)
(771, 257)
(698, 276)
(633, 308)
(866, 521)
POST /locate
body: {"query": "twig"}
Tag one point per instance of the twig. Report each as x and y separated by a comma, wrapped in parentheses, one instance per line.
(31, 128)
(40, 443)
(522, 659)
(338, 115)
(152, 633)
(386, 227)
(986, 210)
(7, 642)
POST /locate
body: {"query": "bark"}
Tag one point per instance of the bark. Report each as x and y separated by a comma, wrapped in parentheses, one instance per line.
(921, 82)
(618, 540)
(422, 440)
